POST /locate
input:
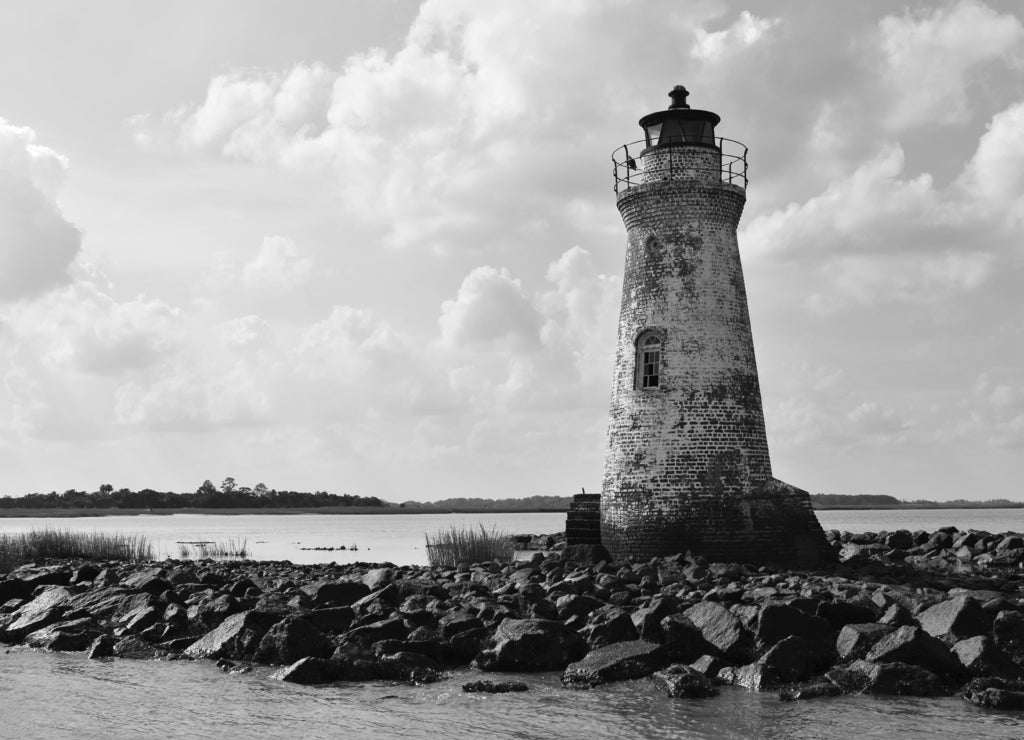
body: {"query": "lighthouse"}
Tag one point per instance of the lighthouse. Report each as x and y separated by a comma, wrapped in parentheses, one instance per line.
(687, 464)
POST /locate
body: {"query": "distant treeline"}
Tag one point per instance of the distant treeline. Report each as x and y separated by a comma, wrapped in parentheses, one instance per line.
(530, 503)
(207, 496)
(880, 501)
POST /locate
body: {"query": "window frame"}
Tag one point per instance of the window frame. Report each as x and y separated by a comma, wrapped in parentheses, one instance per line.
(642, 360)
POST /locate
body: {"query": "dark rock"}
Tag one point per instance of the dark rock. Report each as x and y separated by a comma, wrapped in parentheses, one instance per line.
(812, 690)
(309, 672)
(789, 659)
(855, 640)
(337, 593)
(982, 657)
(915, 646)
(586, 554)
(70, 636)
(621, 661)
(897, 615)
(683, 681)
(134, 647)
(840, 613)
(142, 618)
(150, 582)
(753, 677)
(48, 606)
(608, 625)
(332, 620)
(723, 630)
(290, 640)
(709, 665)
(955, 619)
(215, 611)
(778, 621)
(384, 629)
(531, 645)
(1008, 631)
(112, 602)
(683, 640)
(14, 589)
(994, 693)
(33, 576)
(237, 637)
(493, 687)
(890, 678)
(647, 620)
(101, 647)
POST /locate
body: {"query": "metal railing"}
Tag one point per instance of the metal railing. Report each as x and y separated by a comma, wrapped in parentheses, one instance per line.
(628, 165)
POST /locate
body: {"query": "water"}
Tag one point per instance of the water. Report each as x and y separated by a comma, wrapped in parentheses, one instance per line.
(54, 695)
(399, 538)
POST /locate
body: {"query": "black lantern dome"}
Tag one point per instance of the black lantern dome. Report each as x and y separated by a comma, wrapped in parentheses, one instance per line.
(680, 125)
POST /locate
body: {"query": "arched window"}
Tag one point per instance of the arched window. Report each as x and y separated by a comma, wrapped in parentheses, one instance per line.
(648, 361)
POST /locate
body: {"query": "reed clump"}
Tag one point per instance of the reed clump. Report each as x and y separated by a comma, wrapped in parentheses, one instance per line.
(217, 550)
(26, 547)
(456, 545)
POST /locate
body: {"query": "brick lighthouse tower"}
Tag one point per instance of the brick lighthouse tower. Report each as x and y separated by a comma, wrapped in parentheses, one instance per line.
(687, 466)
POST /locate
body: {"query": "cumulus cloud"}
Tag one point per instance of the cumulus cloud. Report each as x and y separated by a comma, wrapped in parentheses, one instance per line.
(928, 56)
(36, 242)
(278, 264)
(491, 308)
(745, 31)
(994, 177)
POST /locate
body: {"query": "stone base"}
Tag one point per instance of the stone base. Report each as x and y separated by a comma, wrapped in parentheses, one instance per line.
(774, 524)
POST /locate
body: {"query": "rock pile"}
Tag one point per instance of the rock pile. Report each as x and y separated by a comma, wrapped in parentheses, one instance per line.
(901, 613)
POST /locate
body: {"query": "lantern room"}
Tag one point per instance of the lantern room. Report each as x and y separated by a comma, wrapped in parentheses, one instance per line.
(680, 125)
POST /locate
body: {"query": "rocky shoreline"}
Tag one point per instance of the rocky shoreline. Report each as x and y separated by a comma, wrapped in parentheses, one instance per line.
(903, 613)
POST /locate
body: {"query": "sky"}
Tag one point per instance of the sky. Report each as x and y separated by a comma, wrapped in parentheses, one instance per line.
(372, 247)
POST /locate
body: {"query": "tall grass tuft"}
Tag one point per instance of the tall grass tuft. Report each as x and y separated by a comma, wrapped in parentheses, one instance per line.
(221, 549)
(456, 545)
(20, 548)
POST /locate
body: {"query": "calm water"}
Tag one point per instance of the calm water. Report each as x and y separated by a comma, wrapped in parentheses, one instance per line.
(53, 695)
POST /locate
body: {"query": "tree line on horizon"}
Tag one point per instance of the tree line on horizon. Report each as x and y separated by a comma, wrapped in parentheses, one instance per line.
(229, 495)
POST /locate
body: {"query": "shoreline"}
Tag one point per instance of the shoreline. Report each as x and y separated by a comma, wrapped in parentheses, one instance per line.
(912, 614)
(22, 512)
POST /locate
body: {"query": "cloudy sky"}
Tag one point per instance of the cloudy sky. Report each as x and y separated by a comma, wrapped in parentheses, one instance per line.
(372, 247)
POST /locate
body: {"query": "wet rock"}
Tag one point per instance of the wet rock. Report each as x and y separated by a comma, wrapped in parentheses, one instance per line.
(778, 621)
(855, 640)
(531, 645)
(493, 687)
(290, 640)
(915, 646)
(753, 677)
(811, 690)
(683, 681)
(894, 678)
(790, 659)
(994, 693)
(134, 647)
(69, 636)
(237, 637)
(709, 665)
(101, 647)
(617, 662)
(684, 641)
(722, 629)
(955, 619)
(309, 672)
(608, 625)
(982, 657)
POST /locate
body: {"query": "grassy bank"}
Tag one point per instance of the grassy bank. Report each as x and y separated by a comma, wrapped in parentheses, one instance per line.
(17, 549)
(455, 545)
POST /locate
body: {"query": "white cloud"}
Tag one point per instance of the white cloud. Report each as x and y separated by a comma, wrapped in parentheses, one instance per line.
(490, 309)
(745, 31)
(36, 242)
(278, 264)
(994, 177)
(928, 58)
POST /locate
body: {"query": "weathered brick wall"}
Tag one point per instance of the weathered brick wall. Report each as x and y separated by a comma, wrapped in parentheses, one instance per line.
(687, 464)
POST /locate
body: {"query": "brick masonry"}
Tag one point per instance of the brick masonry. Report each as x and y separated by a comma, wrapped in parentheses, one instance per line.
(687, 466)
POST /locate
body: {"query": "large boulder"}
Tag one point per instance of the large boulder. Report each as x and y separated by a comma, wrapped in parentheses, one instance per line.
(683, 681)
(608, 625)
(112, 602)
(915, 646)
(685, 642)
(623, 660)
(236, 638)
(722, 629)
(778, 621)
(531, 645)
(336, 593)
(895, 678)
(71, 636)
(855, 640)
(955, 619)
(790, 659)
(290, 640)
(48, 607)
(982, 657)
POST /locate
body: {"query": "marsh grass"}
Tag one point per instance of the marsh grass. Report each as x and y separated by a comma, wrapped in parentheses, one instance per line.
(26, 547)
(455, 545)
(221, 549)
